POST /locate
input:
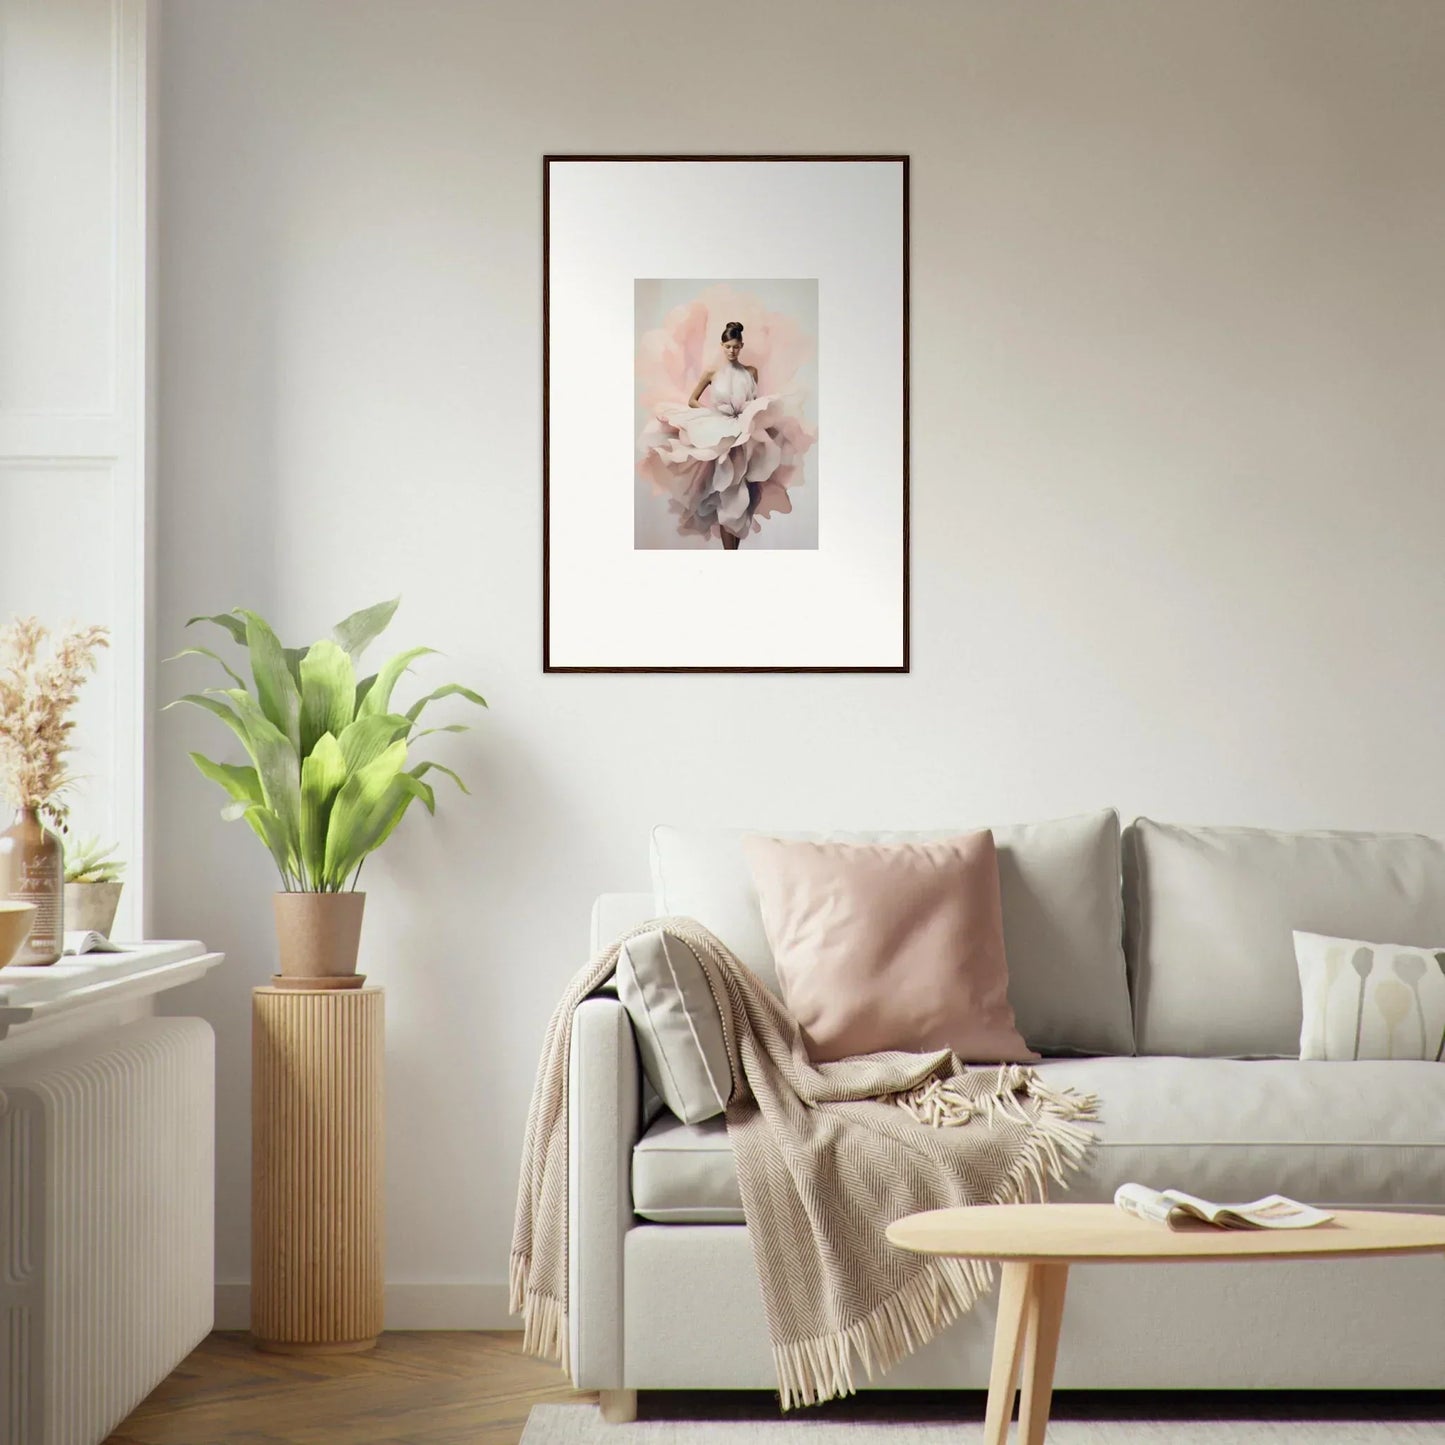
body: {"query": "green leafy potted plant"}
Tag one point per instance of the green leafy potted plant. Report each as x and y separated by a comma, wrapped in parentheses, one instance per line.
(329, 774)
(92, 886)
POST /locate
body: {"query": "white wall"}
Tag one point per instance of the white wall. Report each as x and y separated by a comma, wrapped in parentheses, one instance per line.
(1177, 449)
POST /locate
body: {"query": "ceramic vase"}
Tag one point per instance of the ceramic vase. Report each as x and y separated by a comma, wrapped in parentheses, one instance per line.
(32, 870)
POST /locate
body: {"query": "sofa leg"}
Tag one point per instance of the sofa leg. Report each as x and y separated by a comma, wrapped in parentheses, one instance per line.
(619, 1407)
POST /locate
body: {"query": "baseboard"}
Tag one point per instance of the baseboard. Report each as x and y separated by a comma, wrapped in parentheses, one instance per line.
(408, 1307)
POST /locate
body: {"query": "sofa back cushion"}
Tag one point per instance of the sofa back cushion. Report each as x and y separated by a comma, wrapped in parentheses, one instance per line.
(1062, 917)
(614, 914)
(1212, 914)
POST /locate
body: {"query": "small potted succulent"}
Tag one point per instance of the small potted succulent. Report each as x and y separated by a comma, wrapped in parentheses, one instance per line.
(328, 775)
(92, 886)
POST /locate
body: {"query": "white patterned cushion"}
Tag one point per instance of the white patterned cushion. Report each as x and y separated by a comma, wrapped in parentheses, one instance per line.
(1370, 1000)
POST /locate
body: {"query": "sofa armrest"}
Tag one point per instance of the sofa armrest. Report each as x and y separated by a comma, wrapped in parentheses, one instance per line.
(605, 1111)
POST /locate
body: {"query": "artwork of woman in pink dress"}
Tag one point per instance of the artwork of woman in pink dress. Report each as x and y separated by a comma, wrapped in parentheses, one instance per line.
(726, 456)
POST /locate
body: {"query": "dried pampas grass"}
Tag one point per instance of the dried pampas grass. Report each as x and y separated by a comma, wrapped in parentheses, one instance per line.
(38, 690)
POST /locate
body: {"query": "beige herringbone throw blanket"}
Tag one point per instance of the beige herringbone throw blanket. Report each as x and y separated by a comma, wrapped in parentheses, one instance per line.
(827, 1156)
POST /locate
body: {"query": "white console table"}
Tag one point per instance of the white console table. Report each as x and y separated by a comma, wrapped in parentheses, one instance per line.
(107, 1188)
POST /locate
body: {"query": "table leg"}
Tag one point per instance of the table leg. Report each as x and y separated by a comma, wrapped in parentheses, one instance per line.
(1015, 1287)
(1043, 1315)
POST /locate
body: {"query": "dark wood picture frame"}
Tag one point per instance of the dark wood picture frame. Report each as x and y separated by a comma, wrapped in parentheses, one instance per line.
(547, 664)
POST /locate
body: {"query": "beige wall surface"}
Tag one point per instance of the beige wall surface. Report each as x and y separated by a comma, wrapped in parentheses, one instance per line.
(1178, 341)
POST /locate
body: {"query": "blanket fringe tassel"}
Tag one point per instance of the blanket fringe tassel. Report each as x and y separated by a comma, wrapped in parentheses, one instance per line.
(823, 1368)
(545, 1334)
(811, 1371)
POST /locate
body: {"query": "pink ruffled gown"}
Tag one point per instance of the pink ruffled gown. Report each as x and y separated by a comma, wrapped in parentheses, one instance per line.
(725, 463)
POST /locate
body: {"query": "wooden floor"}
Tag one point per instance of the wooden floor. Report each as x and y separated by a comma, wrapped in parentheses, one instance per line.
(476, 1389)
(412, 1389)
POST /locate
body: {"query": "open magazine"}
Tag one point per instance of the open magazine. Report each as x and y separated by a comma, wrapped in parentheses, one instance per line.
(1183, 1211)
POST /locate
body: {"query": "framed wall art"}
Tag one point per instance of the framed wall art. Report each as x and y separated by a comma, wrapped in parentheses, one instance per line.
(725, 414)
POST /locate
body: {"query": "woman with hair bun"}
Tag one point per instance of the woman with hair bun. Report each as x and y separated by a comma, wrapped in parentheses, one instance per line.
(713, 459)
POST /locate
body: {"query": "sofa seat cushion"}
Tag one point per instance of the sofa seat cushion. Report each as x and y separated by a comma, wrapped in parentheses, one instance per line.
(684, 1174)
(1367, 1135)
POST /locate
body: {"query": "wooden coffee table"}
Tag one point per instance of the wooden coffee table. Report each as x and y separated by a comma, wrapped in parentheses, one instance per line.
(1036, 1244)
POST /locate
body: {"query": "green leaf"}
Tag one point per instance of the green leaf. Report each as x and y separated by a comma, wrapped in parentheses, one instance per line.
(452, 689)
(322, 774)
(378, 698)
(215, 657)
(227, 715)
(354, 814)
(276, 764)
(241, 784)
(405, 789)
(357, 632)
(269, 829)
(328, 693)
(228, 620)
(422, 769)
(421, 790)
(275, 687)
(87, 860)
(293, 656)
(369, 737)
(363, 688)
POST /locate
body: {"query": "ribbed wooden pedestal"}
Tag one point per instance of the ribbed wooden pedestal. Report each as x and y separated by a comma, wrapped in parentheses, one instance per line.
(316, 1169)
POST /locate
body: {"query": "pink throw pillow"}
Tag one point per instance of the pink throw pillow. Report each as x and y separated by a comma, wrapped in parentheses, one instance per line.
(889, 946)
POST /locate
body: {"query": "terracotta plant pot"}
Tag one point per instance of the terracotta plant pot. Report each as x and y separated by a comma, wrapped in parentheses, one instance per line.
(15, 924)
(91, 906)
(319, 934)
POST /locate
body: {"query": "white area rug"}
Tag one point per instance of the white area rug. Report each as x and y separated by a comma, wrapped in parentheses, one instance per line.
(582, 1425)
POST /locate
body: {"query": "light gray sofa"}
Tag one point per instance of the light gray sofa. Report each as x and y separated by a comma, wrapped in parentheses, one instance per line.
(1159, 975)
